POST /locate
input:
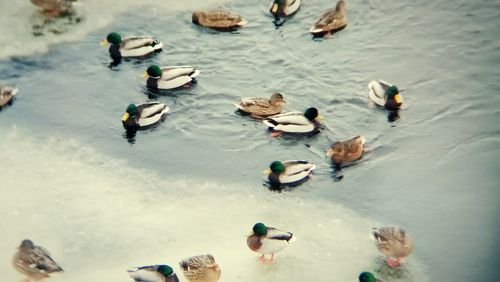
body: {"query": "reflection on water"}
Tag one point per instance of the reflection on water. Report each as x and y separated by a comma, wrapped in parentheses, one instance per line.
(395, 274)
(43, 25)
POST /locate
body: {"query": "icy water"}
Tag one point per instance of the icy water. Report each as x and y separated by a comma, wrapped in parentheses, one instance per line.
(72, 182)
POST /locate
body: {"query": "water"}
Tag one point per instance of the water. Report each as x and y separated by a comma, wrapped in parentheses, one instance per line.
(73, 183)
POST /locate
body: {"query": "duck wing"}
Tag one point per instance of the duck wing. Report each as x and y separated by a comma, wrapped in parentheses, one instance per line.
(150, 109)
(198, 268)
(294, 122)
(40, 259)
(137, 42)
(377, 90)
(278, 234)
(220, 19)
(6, 94)
(296, 170)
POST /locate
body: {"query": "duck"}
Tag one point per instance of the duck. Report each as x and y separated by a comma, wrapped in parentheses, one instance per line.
(347, 151)
(268, 240)
(368, 277)
(331, 21)
(284, 8)
(144, 115)
(7, 94)
(289, 172)
(54, 7)
(170, 77)
(34, 261)
(294, 122)
(202, 268)
(385, 94)
(218, 20)
(153, 273)
(131, 47)
(393, 242)
(261, 108)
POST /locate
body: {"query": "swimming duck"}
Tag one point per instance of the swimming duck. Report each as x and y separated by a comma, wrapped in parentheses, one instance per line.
(393, 242)
(153, 273)
(53, 7)
(346, 151)
(7, 94)
(385, 94)
(34, 261)
(218, 19)
(261, 107)
(143, 115)
(294, 122)
(284, 8)
(331, 21)
(201, 268)
(131, 47)
(268, 240)
(289, 172)
(170, 77)
(368, 277)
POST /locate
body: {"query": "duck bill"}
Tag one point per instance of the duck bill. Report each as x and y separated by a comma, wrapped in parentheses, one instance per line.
(274, 8)
(397, 98)
(267, 171)
(125, 116)
(319, 117)
(104, 42)
(144, 75)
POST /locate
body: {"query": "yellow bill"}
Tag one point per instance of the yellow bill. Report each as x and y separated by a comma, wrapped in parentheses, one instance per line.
(274, 8)
(125, 116)
(319, 117)
(144, 74)
(398, 98)
(267, 171)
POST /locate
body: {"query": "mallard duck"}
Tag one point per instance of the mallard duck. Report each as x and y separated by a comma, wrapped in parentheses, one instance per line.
(153, 273)
(261, 107)
(346, 151)
(170, 77)
(130, 47)
(34, 261)
(385, 94)
(284, 8)
(7, 94)
(268, 240)
(201, 268)
(289, 172)
(218, 20)
(393, 242)
(331, 21)
(53, 7)
(294, 122)
(368, 277)
(143, 115)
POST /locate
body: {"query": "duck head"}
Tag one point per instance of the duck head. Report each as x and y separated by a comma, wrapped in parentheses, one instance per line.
(277, 99)
(277, 167)
(367, 277)
(26, 245)
(311, 113)
(165, 270)
(393, 97)
(113, 38)
(154, 71)
(130, 112)
(260, 229)
(278, 7)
